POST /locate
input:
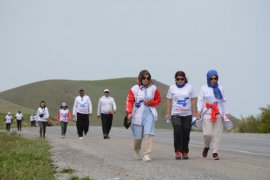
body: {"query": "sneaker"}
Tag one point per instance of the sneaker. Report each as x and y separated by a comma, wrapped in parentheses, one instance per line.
(80, 138)
(185, 156)
(205, 151)
(215, 156)
(178, 155)
(146, 158)
(63, 136)
(108, 137)
(105, 136)
(137, 155)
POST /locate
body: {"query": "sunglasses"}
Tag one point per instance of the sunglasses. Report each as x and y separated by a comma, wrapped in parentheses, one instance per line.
(213, 79)
(180, 79)
(148, 78)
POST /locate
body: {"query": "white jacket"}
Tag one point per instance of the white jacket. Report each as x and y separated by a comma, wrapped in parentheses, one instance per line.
(82, 105)
(42, 114)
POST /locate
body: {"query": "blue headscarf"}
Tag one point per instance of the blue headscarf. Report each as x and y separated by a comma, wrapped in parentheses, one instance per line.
(180, 86)
(216, 90)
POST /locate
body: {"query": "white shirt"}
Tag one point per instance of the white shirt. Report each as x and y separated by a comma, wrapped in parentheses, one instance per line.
(32, 118)
(8, 118)
(19, 116)
(63, 115)
(106, 105)
(181, 99)
(207, 96)
(45, 113)
(82, 105)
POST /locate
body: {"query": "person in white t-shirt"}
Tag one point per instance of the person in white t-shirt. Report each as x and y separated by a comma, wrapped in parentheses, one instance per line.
(179, 108)
(8, 119)
(106, 108)
(42, 117)
(63, 116)
(82, 109)
(212, 109)
(33, 120)
(19, 117)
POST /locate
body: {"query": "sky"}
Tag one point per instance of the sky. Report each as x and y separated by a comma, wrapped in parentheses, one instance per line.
(107, 39)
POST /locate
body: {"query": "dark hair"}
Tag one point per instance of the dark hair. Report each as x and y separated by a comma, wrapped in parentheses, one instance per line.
(42, 101)
(181, 73)
(142, 74)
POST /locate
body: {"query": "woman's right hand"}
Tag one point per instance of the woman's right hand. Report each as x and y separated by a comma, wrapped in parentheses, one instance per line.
(129, 116)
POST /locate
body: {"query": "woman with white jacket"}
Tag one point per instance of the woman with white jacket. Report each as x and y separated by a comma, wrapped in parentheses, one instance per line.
(42, 117)
(141, 110)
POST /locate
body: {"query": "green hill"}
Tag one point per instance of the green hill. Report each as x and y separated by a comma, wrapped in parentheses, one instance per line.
(6, 106)
(56, 91)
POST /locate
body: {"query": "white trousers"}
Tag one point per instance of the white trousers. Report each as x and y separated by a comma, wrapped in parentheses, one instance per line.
(212, 132)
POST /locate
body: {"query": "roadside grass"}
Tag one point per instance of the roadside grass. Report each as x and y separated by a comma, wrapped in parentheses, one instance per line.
(24, 159)
(77, 178)
(67, 170)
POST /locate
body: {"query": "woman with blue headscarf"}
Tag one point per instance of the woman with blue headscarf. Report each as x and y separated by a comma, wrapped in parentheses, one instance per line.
(211, 107)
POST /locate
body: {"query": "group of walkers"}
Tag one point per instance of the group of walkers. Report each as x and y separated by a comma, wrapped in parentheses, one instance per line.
(210, 110)
(9, 118)
(141, 103)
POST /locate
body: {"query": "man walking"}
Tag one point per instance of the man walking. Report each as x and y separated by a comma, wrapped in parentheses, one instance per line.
(106, 108)
(82, 109)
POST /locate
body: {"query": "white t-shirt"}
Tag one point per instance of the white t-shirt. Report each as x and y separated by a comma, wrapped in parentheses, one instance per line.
(64, 115)
(32, 118)
(82, 105)
(8, 118)
(106, 105)
(19, 116)
(181, 99)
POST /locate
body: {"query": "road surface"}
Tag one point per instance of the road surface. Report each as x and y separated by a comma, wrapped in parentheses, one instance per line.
(243, 156)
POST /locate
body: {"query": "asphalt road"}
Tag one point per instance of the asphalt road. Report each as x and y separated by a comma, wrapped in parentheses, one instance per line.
(243, 156)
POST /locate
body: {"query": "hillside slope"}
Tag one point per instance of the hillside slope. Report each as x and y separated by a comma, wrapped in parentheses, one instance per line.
(56, 91)
(6, 106)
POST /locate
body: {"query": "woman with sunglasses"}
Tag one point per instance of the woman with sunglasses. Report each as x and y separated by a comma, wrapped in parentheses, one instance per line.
(141, 110)
(212, 108)
(180, 107)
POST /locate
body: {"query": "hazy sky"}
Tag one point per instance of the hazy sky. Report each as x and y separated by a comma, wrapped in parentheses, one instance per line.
(104, 39)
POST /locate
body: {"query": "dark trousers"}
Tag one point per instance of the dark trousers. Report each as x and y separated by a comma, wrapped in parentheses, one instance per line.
(8, 126)
(19, 125)
(106, 120)
(63, 127)
(181, 132)
(33, 123)
(82, 124)
(42, 128)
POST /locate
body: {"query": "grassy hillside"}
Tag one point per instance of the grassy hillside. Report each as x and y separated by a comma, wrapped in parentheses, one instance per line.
(6, 106)
(56, 91)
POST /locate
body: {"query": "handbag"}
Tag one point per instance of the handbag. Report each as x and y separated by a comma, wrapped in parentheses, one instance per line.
(127, 122)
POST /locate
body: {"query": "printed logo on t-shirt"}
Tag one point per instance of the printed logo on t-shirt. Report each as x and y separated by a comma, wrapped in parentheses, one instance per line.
(183, 102)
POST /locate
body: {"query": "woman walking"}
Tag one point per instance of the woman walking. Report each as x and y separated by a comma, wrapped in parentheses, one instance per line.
(63, 116)
(212, 109)
(179, 108)
(141, 110)
(42, 115)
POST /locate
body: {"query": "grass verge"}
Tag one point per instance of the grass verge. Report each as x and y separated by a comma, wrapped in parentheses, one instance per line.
(22, 158)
